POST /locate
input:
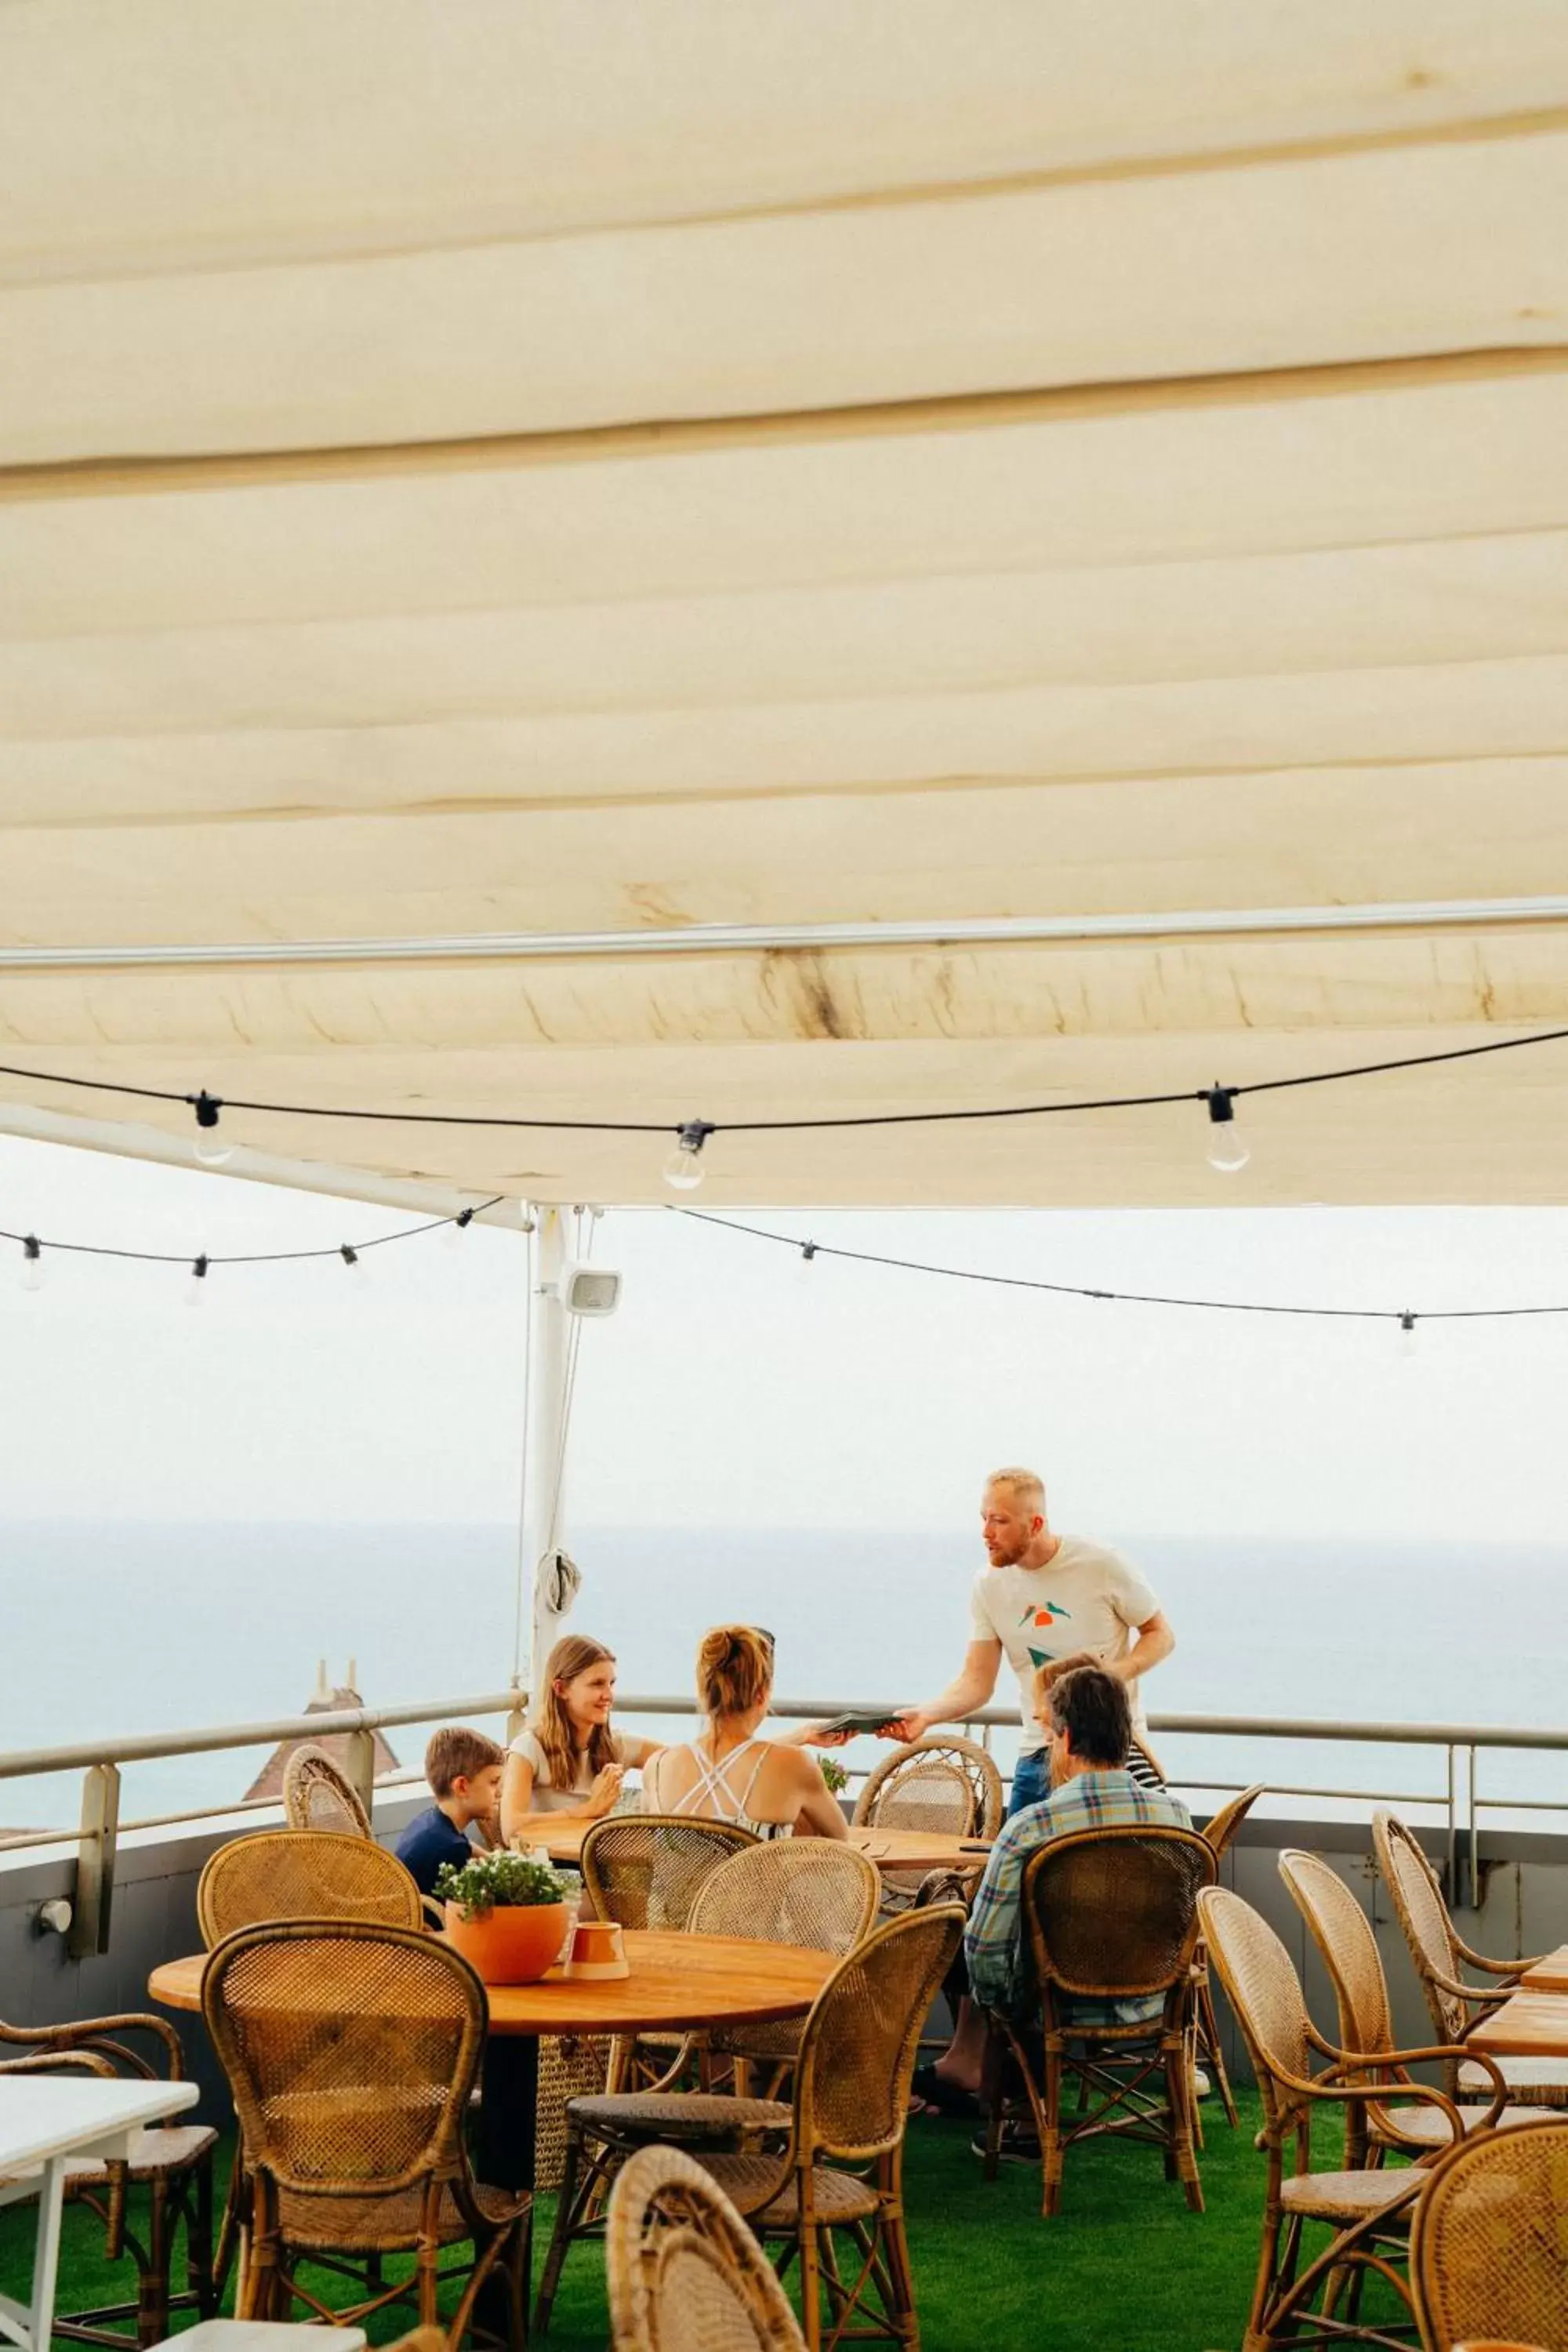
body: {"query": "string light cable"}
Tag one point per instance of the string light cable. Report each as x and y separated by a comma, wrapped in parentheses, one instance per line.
(199, 1262)
(683, 1169)
(1406, 1318)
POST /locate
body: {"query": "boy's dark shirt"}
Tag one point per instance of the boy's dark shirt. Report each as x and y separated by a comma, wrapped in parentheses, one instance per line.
(427, 1843)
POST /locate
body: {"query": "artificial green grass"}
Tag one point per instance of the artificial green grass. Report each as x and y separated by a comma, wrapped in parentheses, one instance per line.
(1125, 2267)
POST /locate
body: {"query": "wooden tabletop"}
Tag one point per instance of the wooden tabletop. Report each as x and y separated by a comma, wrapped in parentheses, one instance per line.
(1550, 1973)
(675, 1979)
(888, 1849)
(1528, 2025)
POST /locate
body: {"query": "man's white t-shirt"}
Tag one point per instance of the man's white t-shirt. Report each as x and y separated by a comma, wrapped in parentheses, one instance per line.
(1089, 1598)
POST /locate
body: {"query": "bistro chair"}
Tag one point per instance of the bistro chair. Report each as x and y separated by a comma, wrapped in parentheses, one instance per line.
(1112, 1918)
(1367, 2212)
(1440, 1953)
(1488, 2247)
(303, 1875)
(645, 1870)
(685, 2273)
(171, 2163)
(947, 1788)
(316, 1795)
(840, 2173)
(351, 2051)
(807, 1891)
(1209, 2050)
(1342, 1934)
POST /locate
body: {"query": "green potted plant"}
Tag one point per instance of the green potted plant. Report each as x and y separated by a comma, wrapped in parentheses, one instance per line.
(833, 1772)
(506, 1914)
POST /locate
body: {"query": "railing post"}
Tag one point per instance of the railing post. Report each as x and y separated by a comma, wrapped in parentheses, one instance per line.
(1453, 1828)
(1477, 1890)
(359, 1767)
(94, 1896)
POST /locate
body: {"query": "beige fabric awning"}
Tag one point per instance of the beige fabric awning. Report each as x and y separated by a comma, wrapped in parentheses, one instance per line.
(475, 479)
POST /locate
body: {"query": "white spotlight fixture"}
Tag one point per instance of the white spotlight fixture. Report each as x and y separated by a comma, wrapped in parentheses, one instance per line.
(589, 1290)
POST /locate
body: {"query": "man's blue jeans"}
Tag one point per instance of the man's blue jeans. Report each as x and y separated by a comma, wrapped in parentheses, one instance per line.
(1031, 1781)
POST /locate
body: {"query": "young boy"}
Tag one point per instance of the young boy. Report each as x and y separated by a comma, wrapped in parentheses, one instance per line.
(464, 1770)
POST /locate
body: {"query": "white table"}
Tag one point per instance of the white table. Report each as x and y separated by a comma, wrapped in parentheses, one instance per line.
(47, 2123)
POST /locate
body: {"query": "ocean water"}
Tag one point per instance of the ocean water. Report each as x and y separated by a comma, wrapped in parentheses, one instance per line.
(114, 1630)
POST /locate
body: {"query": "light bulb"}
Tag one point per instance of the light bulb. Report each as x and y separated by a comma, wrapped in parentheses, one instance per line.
(196, 1288)
(352, 1257)
(1406, 1340)
(32, 1263)
(683, 1169)
(210, 1150)
(1227, 1150)
(457, 1227)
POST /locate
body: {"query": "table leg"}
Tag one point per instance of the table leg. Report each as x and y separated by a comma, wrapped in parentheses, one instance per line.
(504, 2143)
(46, 2255)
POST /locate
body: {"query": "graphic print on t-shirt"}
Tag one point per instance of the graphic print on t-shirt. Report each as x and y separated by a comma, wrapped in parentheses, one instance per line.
(1043, 1620)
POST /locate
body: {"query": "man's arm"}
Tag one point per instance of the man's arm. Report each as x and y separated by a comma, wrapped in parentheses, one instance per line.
(962, 1697)
(992, 1945)
(1155, 1641)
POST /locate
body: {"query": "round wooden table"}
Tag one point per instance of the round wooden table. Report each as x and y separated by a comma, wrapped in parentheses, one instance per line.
(675, 1980)
(888, 1849)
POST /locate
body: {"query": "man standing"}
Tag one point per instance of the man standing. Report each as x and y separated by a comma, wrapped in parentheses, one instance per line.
(1044, 1598)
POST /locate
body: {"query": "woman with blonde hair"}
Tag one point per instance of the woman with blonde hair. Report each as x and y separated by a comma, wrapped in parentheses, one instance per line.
(568, 1766)
(727, 1773)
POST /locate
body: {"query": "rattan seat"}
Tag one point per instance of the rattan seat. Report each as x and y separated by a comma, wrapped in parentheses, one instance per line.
(160, 2147)
(1440, 1952)
(685, 2273)
(752, 2185)
(1110, 1915)
(170, 2165)
(1344, 2195)
(632, 2117)
(1428, 2127)
(303, 1875)
(1489, 2251)
(351, 2051)
(1366, 2208)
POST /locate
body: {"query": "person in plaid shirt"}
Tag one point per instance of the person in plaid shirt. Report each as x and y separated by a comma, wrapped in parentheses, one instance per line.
(1090, 1725)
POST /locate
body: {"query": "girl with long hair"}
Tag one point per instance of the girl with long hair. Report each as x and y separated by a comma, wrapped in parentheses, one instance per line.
(727, 1773)
(568, 1766)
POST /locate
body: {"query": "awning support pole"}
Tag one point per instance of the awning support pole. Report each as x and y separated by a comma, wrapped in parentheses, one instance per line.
(545, 1466)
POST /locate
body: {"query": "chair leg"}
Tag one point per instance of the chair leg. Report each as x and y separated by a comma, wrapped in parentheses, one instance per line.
(199, 2240)
(561, 2235)
(1051, 2150)
(1179, 2093)
(1209, 2043)
(153, 2285)
(900, 2278)
(810, 2287)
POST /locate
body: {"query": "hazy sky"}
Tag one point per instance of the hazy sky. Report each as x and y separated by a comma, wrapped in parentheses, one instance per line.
(738, 1382)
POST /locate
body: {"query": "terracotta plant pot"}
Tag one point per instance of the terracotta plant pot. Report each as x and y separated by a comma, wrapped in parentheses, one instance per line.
(511, 1944)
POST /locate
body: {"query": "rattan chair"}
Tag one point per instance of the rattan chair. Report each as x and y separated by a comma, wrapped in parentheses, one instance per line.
(1367, 2212)
(173, 2163)
(807, 1891)
(316, 1796)
(1209, 2050)
(851, 2094)
(1342, 1934)
(1111, 1917)
(303, 1875)
(685, 2272)
(948, 1788)
(1488, 2248)
(645, 1869)
(1439, 1953)
(351, 2051)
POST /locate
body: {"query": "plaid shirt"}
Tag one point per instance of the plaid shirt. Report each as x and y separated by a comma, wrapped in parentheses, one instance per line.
(993, 1941)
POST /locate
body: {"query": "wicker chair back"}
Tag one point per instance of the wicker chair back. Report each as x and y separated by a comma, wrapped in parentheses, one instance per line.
(280, 1874)
(1342, 1934)
(1489, 2249)
(942, 1787)
(857, 2051)
(807, 1891)
(316, 1796)
(1263, 1988)
(1112, 1912)
(1422, 1914)
(1223, 1825)
(350, 2051)
(645, 1869)
(685, 2272)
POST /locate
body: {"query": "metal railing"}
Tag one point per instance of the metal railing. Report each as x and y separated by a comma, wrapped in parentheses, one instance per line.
(101, 1761)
